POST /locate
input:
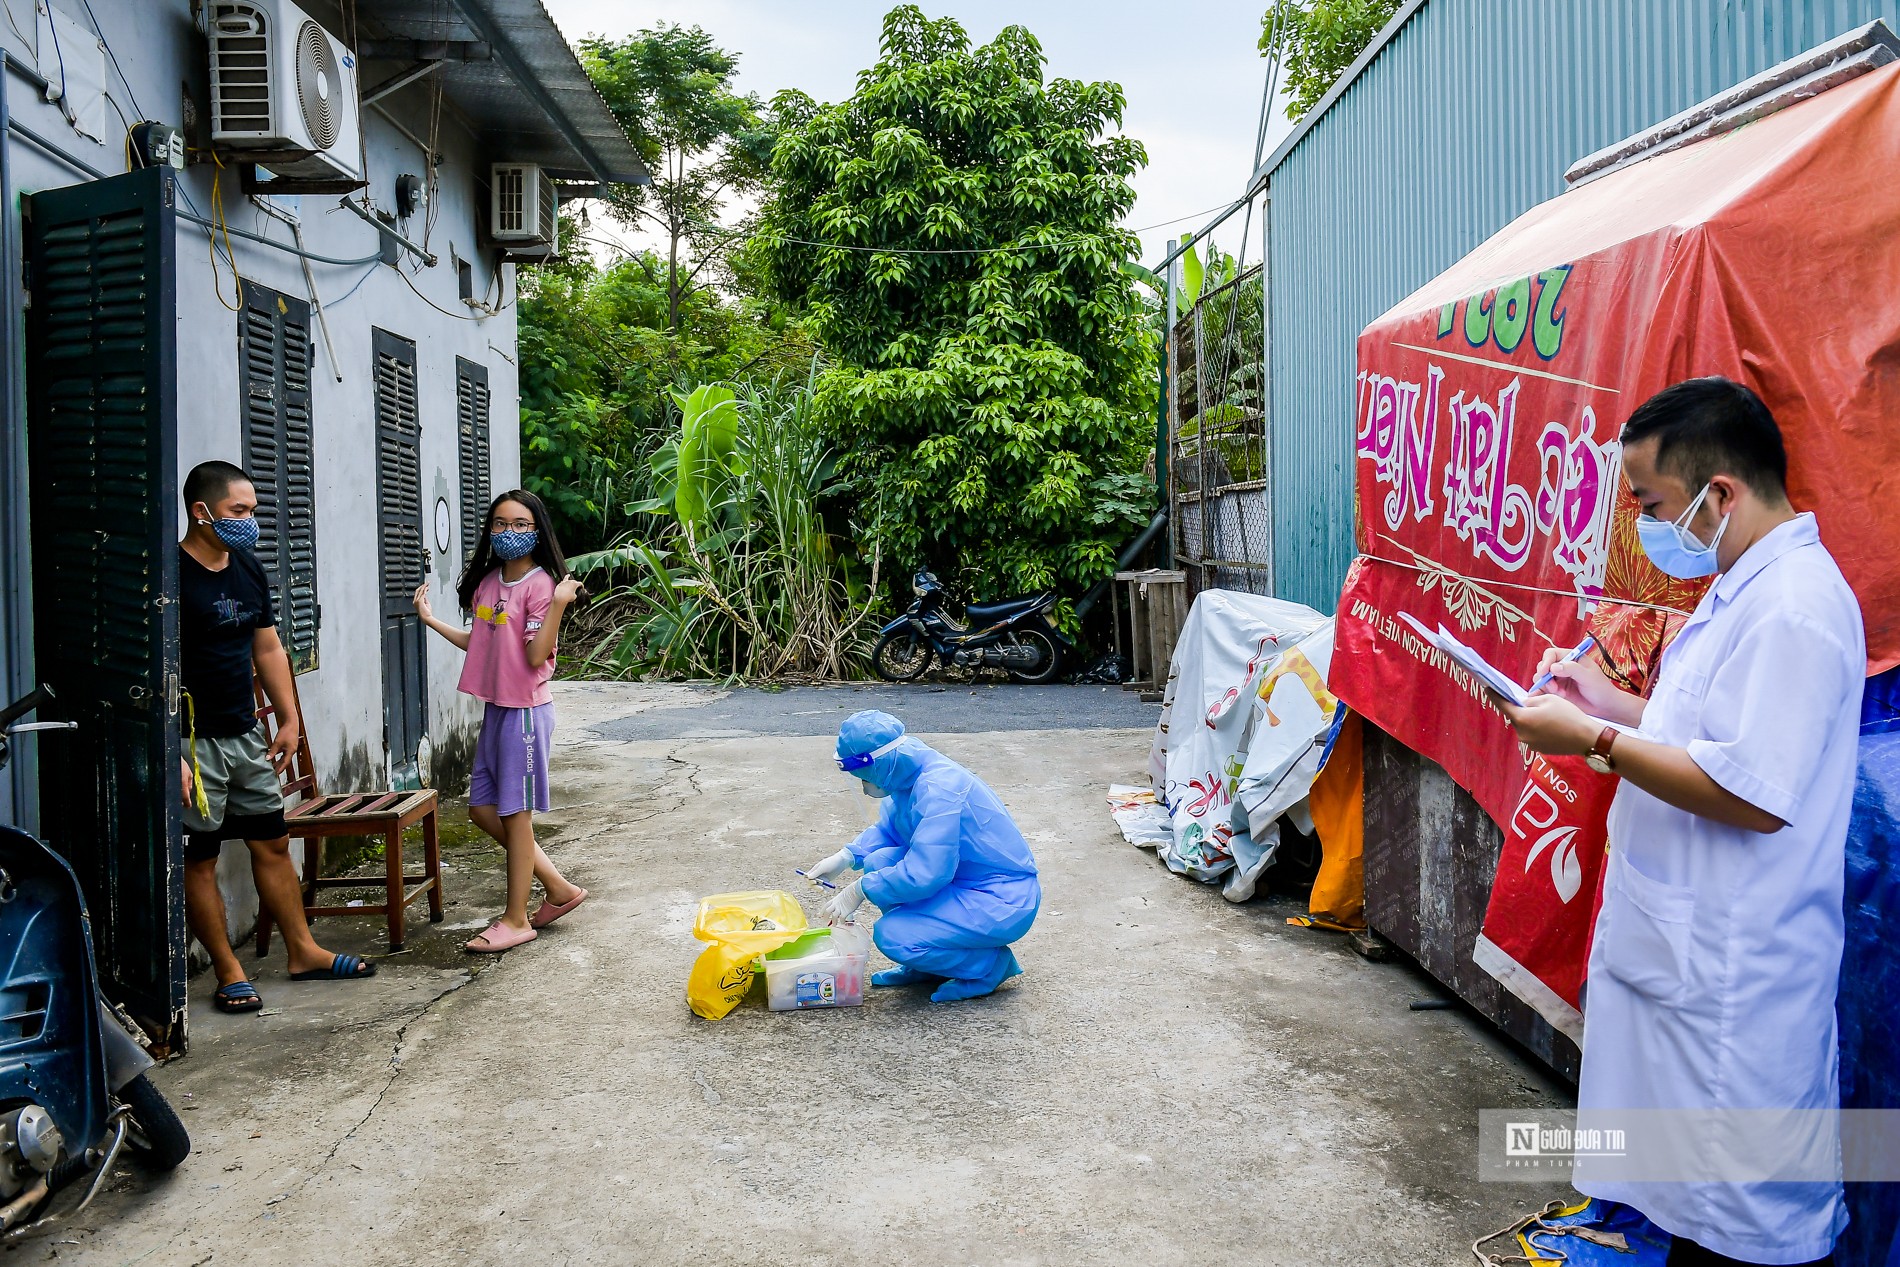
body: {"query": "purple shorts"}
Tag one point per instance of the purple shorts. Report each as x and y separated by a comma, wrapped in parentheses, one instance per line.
(511, 759)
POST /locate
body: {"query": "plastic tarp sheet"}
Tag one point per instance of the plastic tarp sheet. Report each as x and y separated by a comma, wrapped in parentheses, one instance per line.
(1242, 721)
(1489, 485)
(1870, 966)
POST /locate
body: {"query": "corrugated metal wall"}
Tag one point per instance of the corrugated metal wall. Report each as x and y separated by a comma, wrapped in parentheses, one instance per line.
(1466, 119)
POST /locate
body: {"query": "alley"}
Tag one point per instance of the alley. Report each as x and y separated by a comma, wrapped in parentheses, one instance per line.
(1174, 1080)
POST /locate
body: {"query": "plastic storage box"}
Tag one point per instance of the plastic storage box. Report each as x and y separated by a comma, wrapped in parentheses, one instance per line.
(823, 968)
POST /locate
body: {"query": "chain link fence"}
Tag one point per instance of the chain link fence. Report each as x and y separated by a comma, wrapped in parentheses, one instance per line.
(1219, 461)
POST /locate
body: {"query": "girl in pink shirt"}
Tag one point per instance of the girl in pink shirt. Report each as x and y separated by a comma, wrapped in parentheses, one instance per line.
(516, 587)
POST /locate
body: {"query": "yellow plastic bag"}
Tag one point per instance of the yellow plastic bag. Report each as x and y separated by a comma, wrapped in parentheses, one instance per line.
(741, 927)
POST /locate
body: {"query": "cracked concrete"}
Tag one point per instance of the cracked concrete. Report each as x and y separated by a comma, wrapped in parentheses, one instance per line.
(1174, 1080)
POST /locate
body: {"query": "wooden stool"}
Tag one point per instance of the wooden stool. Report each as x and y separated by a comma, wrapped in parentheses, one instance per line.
(386, 814)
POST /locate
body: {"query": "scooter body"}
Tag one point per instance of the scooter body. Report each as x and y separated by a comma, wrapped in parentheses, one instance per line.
(71, 1073)
(1015, 635)
(63, 1053)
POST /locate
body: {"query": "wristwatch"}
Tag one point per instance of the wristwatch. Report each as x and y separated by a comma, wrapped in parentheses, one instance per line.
(1598, 758)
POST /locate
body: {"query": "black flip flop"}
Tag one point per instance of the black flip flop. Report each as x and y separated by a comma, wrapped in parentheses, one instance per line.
(342, 968)
(239, 996)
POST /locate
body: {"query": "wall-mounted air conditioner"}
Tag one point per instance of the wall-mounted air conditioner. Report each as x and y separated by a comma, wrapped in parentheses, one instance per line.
(523, 212)
(284, 90)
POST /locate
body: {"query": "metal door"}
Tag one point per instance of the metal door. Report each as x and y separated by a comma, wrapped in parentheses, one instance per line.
(403, 556)
(102, 440)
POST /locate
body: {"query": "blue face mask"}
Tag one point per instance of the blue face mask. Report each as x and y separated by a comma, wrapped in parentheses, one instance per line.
(1674, 549)
(238, 534)
(513, 545)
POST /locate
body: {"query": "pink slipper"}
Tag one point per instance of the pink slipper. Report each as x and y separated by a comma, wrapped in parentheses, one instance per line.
(497, 938)
(549, 912)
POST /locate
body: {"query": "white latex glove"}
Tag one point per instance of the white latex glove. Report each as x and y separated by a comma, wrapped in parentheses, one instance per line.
(831, 868)
(840, 909)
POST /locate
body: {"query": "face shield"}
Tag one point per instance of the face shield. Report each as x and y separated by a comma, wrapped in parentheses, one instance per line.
(860, 764)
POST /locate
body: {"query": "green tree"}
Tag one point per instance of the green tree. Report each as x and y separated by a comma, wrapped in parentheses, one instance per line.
(1318, 40)
(671, 89)
(600, 361)
(992, 389)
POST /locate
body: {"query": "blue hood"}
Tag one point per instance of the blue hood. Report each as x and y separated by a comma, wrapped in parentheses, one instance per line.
(870, 730)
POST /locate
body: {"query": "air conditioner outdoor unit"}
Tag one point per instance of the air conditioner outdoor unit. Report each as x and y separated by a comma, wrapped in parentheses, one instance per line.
(284, 89)
(523, 212)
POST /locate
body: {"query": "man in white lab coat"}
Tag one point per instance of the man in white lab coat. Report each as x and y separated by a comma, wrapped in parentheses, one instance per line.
(1713, 969)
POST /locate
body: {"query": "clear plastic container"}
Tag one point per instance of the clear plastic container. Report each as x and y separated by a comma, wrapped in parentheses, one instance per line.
(823, 968)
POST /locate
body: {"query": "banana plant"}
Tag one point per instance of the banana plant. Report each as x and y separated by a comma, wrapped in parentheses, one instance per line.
(693, 472)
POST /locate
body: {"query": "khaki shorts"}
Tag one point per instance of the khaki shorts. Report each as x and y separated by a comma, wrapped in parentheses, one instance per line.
(243, 795)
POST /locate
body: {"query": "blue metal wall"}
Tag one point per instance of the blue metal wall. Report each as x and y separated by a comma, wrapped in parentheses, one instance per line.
(1467, 118)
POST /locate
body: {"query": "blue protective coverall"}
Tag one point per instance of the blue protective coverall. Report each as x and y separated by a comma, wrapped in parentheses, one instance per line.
(946, 866)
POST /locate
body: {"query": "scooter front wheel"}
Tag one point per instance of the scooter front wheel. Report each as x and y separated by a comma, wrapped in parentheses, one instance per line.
(159, 1134)
(901, 656)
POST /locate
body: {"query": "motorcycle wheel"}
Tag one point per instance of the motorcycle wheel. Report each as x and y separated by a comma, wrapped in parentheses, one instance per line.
(1048, 662)
(157, 1132)
(901, 656)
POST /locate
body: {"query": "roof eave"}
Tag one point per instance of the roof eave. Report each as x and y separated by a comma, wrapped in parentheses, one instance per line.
(623, 168)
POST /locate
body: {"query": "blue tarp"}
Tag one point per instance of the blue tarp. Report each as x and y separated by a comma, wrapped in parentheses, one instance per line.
(1870, 967)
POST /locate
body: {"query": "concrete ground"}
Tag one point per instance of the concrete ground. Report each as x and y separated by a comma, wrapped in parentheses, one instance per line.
(1174, 1080)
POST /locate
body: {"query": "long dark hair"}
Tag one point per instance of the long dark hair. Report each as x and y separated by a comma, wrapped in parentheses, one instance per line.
(546, 552)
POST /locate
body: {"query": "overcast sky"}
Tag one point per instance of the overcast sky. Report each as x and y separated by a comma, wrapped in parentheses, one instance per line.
(1192, 74)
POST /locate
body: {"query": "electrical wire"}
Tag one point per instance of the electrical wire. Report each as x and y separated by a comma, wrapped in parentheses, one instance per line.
(65, 106)
(100, 30)
(910, 250)
(33, 44)
(219, 225)
(368, 273)
(458, 316)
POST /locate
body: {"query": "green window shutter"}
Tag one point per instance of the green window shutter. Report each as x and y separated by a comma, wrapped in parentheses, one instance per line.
(471, 424)
(300, 613)
(102, 434)
(403, 557)
(274, 395)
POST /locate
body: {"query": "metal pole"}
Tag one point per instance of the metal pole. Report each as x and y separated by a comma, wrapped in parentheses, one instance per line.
(1266, 388)
(1169, 418)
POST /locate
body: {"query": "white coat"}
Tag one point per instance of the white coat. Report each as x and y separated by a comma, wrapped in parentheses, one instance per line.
(1712, 974)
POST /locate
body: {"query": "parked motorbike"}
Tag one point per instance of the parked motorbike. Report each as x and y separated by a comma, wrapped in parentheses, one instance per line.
(1015, 636)
(73, 1085)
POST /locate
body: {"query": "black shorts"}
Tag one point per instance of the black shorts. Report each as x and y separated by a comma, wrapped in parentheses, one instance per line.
(200, 845)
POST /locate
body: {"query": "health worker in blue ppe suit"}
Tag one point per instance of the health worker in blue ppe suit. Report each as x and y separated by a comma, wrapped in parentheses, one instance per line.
(944, 862)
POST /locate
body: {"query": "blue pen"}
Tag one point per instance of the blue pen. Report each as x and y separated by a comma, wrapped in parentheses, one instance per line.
(1582, 650)
(814, 879)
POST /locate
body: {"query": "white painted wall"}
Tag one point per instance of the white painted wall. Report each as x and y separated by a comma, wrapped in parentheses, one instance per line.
(160, 51)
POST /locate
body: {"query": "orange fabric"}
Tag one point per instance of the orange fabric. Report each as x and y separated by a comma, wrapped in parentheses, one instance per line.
(1338, 805)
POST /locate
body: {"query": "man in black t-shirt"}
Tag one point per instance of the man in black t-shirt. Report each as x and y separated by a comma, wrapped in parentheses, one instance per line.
(231, 778)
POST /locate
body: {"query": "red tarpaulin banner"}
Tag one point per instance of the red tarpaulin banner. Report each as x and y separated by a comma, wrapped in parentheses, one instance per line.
(1489, 482)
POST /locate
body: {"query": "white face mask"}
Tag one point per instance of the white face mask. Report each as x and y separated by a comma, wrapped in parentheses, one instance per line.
(1674, 549)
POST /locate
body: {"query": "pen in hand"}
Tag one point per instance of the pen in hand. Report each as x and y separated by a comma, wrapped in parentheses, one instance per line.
(1581, 650)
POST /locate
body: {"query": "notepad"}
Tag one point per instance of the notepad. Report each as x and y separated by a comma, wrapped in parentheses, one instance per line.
(1493, 677)
(1470, 660)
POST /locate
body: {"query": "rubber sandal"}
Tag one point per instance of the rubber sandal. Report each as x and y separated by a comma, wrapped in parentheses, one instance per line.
(342, 968)
(549, 912)
(239, 996)
(497, 938)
